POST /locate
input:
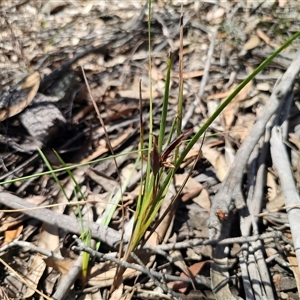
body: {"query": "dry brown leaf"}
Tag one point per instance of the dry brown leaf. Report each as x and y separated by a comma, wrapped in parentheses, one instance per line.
(193, 190)
(242, 127)
(61, 266)
(219, 95)
(191, 194)
(179, 262)
(217, 160)
(242, 95)
(117, 293)
(203, 200)
(215, 15)
(30, 84)
(12, 224)
(12, 233)
(100, 201)
(251, 24)
(134, 91)
(193, 271)
(119, 108)
(229, 113)
(122, 114)
(157, 75)
(190, 185)
(190, 157)
(114, 143)
(188, 75)
(252, 43)
(109, 185)
(49, 238)
(103, 274)
(264, 86)
(276, 203)
(229, 151)
(34, 274)
(192, 254)
(9, 222)
(263, 36)
(36, 200)
(295, 140)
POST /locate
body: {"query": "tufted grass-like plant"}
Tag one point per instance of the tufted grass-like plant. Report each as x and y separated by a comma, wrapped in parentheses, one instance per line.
(154, 186)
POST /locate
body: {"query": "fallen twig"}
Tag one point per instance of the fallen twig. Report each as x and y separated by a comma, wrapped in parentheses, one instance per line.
(230, 193)
(105, 234)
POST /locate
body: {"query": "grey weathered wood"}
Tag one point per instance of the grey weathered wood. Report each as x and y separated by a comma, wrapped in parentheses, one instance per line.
(105, 234)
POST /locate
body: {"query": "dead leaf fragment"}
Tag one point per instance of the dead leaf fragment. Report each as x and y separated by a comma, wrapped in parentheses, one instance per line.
(191, 194)
(217, 159)
(251, 24)
(193, 271)
(117, 293)
(203, 200)
(34, 274)
(20, 97)
(263, 36)
(61, 266)
(114, 143)
(252, 43)
(12, 233)
(295, 140)
(215, 14)
(263, 86)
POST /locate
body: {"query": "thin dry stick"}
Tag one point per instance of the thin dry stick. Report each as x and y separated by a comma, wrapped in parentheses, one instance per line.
(105, 234)
(230, 189)
(163, 286)
(230, 192)
(286, 207)
(254, 202)
(71, 203)
(228, 241)
(32, 248)
(124, 264)
(68, 280)
(291, 196)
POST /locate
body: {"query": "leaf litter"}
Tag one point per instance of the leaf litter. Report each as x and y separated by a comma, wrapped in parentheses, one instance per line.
(109, 39)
